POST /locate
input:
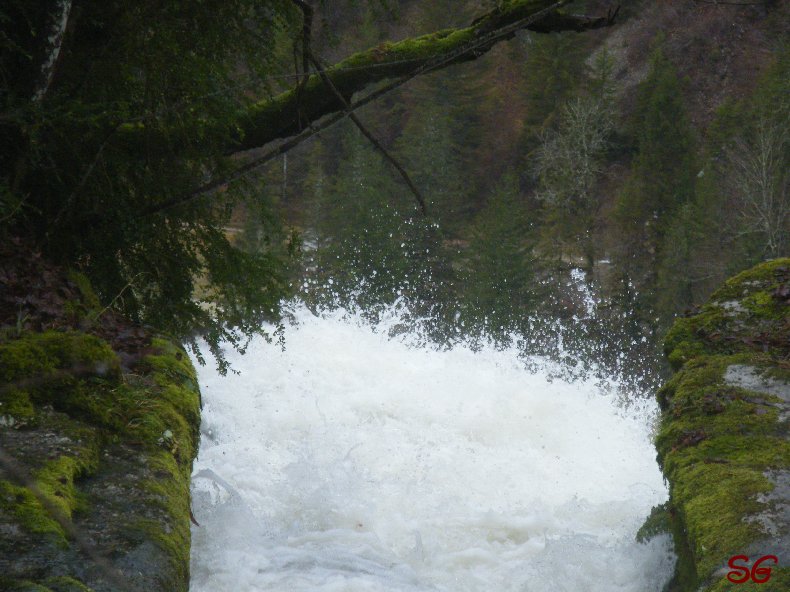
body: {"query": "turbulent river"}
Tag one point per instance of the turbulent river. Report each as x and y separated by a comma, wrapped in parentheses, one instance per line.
(355, 461)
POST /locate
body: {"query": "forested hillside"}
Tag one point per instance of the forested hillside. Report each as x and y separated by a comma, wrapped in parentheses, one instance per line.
(587, 172)
(650, 156)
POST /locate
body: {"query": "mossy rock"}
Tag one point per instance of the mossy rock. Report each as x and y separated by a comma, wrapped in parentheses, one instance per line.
(96, 455)
(723, 439)
(749, 313)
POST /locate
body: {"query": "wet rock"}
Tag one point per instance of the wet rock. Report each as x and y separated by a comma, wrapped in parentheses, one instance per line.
(93, 496)
(723, 439)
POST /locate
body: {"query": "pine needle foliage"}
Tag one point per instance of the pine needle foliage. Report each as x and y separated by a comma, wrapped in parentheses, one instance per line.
(182, 69)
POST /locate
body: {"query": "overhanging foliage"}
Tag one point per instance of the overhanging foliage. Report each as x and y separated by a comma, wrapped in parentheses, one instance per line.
(141, 104)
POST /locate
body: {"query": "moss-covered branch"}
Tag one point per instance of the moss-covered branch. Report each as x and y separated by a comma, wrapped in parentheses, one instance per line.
(290, 112)
(294, 110)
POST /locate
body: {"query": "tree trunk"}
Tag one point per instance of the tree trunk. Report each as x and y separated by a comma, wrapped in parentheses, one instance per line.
(57, 21)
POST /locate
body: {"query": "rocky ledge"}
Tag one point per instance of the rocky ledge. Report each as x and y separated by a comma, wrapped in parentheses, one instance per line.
(99, 424)
(723, 438)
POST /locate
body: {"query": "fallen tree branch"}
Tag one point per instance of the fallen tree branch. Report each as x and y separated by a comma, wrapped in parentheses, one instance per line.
(279, 117)
(283, 116)
(542, 20)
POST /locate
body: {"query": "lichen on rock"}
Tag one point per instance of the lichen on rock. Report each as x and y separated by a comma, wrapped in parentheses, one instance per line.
(723, 439)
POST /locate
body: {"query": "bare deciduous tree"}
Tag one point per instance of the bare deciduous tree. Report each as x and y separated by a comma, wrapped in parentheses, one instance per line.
(570, 158)
(758, 175)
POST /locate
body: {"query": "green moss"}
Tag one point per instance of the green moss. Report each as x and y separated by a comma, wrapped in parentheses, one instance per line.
(172, 421)
(14, 585)
(716, 441)
(715, 501)
(760, 278)
(714, 445)
(20, 504)
(89, 300)
(74, 372)
(657, 523)
(64, 395)
(56, 584)
(743, 315)
(170, 489)
(66, 584)
(685, 576)
(56, 479)
(171, 365)
(16, 409)
(173, 372)
(159, 412)
(417, 48)
(56, 496)
(84, 310)
(38, 356)
(78, 375)
(25, 358)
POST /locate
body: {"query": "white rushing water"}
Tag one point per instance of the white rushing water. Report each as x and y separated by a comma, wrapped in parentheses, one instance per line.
(355, 462)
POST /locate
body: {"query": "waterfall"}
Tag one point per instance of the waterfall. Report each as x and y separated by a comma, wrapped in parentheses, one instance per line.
(354, 460)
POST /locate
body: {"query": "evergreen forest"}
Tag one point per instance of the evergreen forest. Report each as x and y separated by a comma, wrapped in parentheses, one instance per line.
(568, 177)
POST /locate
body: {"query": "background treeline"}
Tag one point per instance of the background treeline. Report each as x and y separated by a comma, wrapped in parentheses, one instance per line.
(582, 189)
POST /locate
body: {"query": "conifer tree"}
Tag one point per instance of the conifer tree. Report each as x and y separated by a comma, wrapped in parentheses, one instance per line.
(741, 210)
(428, 145)
(501, 291)
(374, 245)
(663, 171)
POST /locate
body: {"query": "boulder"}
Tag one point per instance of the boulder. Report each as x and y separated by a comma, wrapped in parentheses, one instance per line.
(723, 437)
(99, 424)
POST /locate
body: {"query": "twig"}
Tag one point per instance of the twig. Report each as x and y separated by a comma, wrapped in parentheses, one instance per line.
(84, 179)
(282, 148)
(371, 138)
(106, 308)
(307, 32)
(304, 76)
(13, 212)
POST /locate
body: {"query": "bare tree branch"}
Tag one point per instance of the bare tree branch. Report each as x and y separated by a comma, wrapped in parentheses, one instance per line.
(307, 33)
(306, 37)
(376, 144)
(761, 183)
(253, 165)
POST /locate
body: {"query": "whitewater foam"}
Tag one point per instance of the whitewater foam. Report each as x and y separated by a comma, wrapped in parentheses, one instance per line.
(352, 461)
